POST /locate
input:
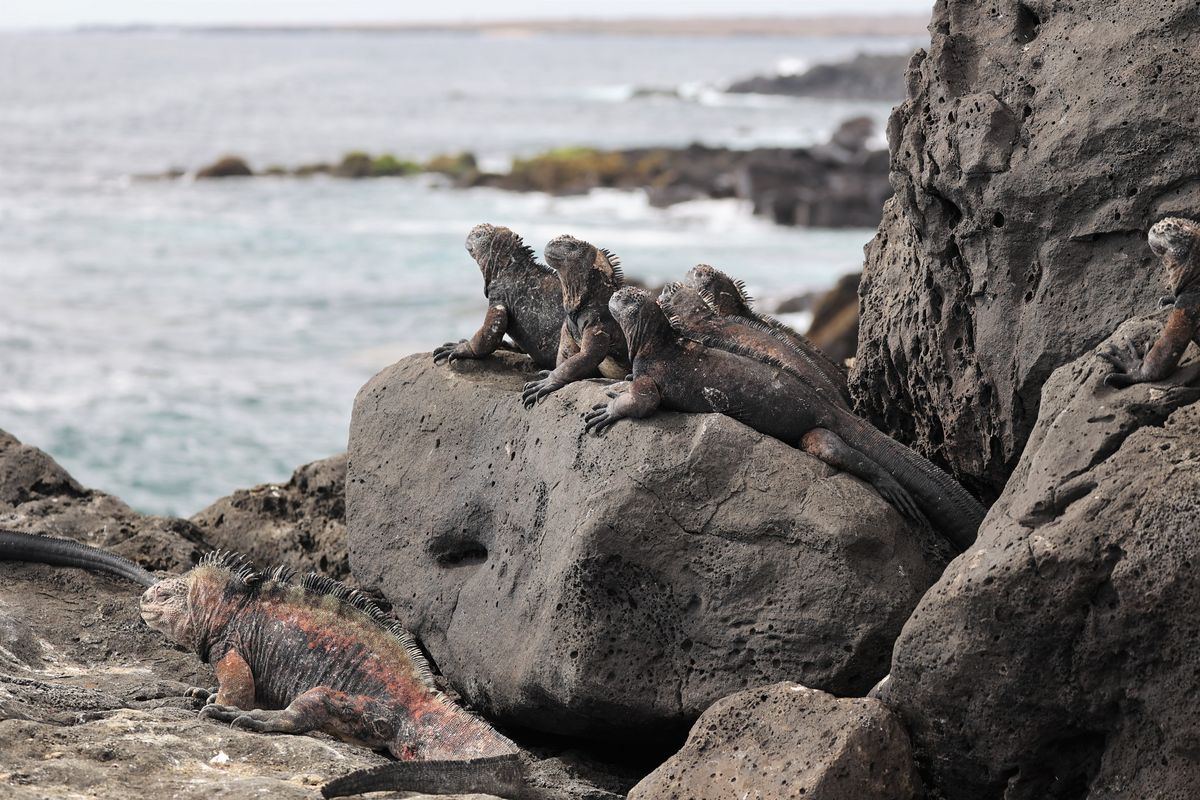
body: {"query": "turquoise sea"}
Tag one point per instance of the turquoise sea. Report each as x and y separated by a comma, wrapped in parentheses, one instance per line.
(170, 341)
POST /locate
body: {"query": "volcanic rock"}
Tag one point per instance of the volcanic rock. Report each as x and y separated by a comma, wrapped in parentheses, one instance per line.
(301, 524)
(1057, 657)
(864, 77)
(789, 741)
(617, 586)
(1037, 144)
(834, 326)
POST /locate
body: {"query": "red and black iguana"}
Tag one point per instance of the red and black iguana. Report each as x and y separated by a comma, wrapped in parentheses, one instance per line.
(297, 654)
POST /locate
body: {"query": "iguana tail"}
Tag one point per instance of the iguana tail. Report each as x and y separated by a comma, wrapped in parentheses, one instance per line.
(949, 506)
(501, 776)
(17, 546)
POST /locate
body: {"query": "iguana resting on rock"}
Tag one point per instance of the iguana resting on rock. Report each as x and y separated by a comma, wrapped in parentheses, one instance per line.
(1177, 242)
(591, 342)
(692, 318)
(728, 297)
(294, 655)
(678, 374)
(524, 300)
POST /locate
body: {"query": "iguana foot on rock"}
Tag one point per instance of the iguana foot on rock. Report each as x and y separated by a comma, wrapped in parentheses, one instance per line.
(1176, 241)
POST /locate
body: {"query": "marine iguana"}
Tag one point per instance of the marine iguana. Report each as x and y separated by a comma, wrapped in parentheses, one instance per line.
(590, 342)
(683, 375)
(692, 318)
(1176, 241)
(295, 654)
(728, 297)
(524, 300)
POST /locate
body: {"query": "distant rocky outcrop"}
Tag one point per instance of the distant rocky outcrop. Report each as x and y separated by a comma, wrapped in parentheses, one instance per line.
(867, 76)
(226, 167)
(838, 184)
(615, 587)
(789, 741)
(300, 524)
(1038, 143)
(1057, 657)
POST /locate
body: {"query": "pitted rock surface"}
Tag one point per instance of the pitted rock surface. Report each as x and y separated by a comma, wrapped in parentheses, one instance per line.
(787, 741)
(1057, 657)
(615, 587)
(1038, 143)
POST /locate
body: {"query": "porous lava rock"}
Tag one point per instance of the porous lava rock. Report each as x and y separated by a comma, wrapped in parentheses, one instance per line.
(1057, 657)
(787, 741)
(615, 587)
(1038, 142)
(301, 523)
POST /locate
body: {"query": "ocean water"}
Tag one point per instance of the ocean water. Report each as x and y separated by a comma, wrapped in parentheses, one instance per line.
(170, 341)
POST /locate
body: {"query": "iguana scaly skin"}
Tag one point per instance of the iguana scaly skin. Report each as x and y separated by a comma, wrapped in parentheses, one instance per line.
(294, 655)
(678, 374)
(1176, 241)
(692, 318)
(728, 297)
(524, 300)
(590, 342)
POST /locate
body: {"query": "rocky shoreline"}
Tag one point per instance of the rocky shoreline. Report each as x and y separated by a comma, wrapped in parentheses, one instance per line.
(694, 587)
(840, 184)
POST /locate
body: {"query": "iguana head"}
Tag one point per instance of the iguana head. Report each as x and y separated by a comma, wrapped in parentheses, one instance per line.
(1177, 242)
(587, 272)
(723, 294)
(640, 318)
(496, 248)
(165, 607)
(683, 305)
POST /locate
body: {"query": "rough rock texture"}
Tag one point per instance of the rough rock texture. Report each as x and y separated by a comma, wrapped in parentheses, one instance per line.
(1057, 657)
(91, 699)
(789, 741)
(37, 495)
(834, 326)
(867, 76)
(301, 523)
(1038, 143)
(616, 587)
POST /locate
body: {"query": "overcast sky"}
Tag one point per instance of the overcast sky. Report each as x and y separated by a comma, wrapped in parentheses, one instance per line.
(67, 13)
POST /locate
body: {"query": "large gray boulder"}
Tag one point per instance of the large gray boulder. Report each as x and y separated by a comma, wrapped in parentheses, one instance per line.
(1058, 658)
(616, 586)
(789, 741)
(1038, 142)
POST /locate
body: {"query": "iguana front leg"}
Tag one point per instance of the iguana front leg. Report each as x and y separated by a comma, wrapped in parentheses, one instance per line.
(567, 346)
(641, 399)
(1130, 367)
(236, 685)
(352, 718)
(833, 450)
(592, 350)
(483, 343)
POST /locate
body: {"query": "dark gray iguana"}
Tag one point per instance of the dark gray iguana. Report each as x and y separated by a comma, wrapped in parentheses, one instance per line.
(1177, 242)
(524, 300)
(692, 318)
(728, 297)
(294, 655)
(674, 373)
(591, 342)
